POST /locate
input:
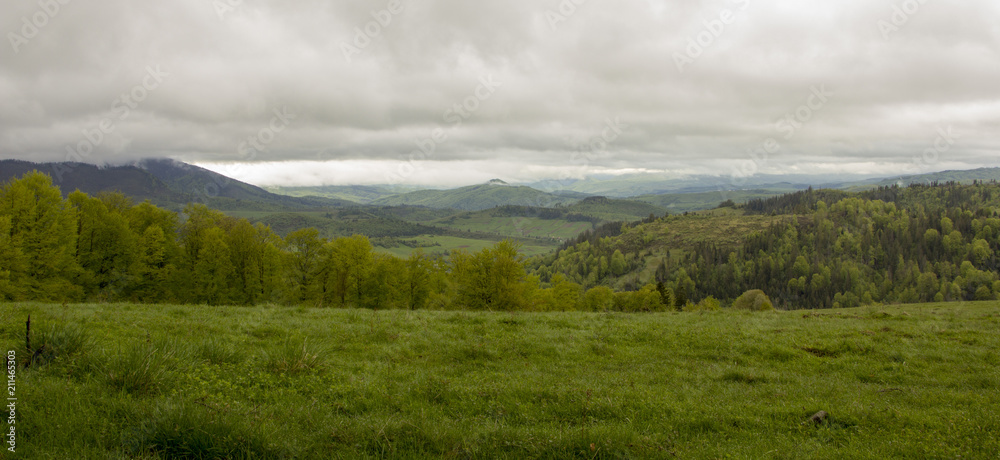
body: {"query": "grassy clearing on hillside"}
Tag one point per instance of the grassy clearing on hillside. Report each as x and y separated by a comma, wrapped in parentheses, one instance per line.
(684, 202)
(517, 226)
(432, 244)
(164, 381)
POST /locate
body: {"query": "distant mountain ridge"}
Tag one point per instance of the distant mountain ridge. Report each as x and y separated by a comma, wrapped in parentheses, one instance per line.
(172, 184)
(961, 176)
(167, 183)
(362, 194)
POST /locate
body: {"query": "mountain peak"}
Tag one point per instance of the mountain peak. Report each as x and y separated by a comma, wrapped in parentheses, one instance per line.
(497, 182)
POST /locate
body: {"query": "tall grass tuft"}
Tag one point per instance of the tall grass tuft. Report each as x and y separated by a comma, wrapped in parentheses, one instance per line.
(59, 341)
(141, 370)
(294, 356)
(183, 430)
(218, 351)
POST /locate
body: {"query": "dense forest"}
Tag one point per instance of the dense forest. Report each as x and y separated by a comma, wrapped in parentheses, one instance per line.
(826, 249)
(936, 242)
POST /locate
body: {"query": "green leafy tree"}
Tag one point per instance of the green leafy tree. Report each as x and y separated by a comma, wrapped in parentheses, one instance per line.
(10, 257)
(255, 258)
(213, 270)
(302, 265)
(42, 240)
(493, 279)
(387, 283)
(618, 265)
(564, 295)
(346, 264)
(107, 248)
(158, 254)
(154, 268)
(418, 280)
(598, 298)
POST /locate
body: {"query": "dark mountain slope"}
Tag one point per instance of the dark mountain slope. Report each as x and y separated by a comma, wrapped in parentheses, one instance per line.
(167, 183)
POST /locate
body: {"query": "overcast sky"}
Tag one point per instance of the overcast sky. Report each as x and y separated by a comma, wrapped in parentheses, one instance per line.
(313, 92)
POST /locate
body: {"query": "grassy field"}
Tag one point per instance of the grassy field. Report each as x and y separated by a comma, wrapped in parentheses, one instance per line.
(538, 236)
(433, 244)
(162, 381)
(516, 226)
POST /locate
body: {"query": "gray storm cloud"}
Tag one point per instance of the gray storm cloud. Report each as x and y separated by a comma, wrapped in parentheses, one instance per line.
(519, 87)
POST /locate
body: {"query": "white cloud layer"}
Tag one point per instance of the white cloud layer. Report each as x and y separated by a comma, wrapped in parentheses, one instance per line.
(459, 92)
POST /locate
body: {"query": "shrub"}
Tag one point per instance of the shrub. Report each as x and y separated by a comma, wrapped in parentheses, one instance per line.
(753, 300)
(707, 304)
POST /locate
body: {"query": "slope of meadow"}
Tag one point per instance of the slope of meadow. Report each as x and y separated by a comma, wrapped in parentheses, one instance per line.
(162, 381)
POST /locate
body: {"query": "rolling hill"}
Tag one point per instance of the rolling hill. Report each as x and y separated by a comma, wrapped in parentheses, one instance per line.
(362, 194)
(814, 247)
(478, 197)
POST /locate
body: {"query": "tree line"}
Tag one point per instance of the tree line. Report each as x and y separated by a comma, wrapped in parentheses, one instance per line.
(107, 248)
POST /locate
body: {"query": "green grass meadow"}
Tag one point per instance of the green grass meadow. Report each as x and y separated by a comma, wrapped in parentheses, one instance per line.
(164, 381)
(443, 244)
(517, 226)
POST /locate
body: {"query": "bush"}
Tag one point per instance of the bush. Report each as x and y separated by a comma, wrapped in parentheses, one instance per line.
(707, 304)
(753, 300)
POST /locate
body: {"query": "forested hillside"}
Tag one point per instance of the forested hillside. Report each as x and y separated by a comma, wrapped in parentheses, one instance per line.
(822, 248)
